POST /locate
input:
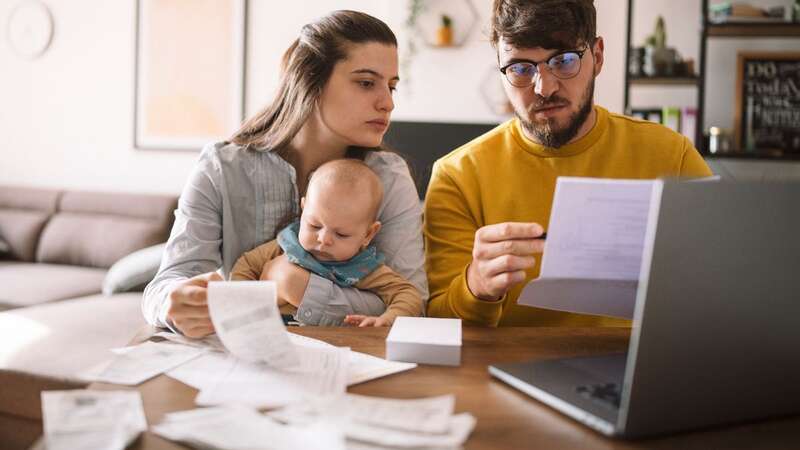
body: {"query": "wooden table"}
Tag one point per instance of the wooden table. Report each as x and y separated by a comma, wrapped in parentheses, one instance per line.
(507, 419)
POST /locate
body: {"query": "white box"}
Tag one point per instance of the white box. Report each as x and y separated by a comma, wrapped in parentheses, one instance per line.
(425, 340)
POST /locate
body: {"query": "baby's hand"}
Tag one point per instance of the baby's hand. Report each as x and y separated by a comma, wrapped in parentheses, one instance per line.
(358, 320)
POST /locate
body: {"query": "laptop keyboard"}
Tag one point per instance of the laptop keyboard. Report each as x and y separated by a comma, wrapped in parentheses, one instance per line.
(608, 394)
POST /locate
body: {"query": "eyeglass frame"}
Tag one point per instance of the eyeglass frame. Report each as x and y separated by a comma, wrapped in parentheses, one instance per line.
(535, 64)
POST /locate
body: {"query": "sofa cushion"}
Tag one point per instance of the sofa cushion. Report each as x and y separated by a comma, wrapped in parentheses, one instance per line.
(50, 345)
(25, 284)
(97, 229)
(23, 214)
(21, 230)
(15, 197)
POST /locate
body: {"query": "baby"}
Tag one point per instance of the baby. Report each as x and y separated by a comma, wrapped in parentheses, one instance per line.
(332, 239)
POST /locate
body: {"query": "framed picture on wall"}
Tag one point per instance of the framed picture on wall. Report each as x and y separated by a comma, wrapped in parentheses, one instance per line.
(189, 81)
(767, 114)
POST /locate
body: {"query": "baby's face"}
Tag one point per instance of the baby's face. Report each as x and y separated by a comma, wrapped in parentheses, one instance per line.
(335, 226)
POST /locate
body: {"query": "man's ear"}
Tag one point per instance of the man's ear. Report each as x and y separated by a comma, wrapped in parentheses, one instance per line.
(597, 51)
(371, 232)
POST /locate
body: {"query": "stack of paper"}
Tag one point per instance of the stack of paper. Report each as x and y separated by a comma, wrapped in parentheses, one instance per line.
(427, 422)
(234, 428)
(425, 340)
(92, 419)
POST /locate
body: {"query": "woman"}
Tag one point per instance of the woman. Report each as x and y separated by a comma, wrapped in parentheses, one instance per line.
(334, 101)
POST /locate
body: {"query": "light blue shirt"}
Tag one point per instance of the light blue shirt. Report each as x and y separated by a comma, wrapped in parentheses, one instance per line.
(234, 201)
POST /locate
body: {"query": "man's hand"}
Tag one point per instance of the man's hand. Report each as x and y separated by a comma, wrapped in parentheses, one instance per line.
(291, 280)
(357, 320)
(500, 256)
(188, 306)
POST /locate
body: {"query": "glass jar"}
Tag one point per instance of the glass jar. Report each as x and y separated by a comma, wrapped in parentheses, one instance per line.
(714, 137)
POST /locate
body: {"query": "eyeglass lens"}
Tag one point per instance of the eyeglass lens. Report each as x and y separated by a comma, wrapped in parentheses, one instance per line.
(564, 65)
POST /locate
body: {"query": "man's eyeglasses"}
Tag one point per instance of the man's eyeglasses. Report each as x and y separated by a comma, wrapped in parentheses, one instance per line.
(564, 65)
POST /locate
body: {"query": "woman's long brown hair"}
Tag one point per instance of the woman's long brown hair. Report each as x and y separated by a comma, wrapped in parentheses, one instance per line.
(306, 67)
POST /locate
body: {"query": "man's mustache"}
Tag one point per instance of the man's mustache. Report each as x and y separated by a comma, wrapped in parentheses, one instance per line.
(550, 102)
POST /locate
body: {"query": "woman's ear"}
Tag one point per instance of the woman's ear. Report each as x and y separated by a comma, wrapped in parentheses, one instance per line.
(371, 232)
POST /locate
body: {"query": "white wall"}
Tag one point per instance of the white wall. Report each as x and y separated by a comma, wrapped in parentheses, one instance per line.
(443, 84)
(67, 117)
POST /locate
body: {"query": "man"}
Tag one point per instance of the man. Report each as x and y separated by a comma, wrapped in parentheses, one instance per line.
(487, 201)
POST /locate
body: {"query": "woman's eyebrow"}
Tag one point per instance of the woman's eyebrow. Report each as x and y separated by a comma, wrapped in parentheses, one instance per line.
(374, 72)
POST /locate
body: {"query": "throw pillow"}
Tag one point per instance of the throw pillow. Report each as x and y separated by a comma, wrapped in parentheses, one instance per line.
(134, 271)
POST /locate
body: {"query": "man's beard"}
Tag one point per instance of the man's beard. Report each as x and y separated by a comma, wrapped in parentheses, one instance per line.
(546, 133)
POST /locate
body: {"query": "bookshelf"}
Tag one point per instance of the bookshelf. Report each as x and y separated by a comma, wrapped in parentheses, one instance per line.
(709, 31)
(662, 81)
(753, 29)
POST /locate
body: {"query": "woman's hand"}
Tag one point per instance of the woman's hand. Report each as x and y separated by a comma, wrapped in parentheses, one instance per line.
(357, 320)
(188, 306)
(291, 280)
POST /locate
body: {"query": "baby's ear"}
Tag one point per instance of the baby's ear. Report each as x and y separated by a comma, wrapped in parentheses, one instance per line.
(302, 202)
(371, 232)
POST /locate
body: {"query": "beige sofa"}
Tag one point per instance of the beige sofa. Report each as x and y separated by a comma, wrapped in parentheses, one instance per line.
(58, 251)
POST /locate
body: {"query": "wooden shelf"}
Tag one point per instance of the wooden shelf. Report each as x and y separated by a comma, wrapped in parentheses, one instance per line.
(763, 29)
(754, 156)
(663, 81)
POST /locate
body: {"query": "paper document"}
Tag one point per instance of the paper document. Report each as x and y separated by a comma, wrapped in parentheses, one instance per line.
(91, 419)
(424, 415)
(205, 372)
(459, 429)
(593, 252)
(362, 367)
(320, 372)
(247, 320)
(425, 422)
(245, 429)
(134, 365)
(211, 342)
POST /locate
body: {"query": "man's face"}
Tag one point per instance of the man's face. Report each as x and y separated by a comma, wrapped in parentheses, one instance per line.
(553, 111)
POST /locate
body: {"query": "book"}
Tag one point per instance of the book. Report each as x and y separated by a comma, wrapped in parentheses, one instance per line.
(651, 114)
(689, 123)
(671, 118)
(735, 9)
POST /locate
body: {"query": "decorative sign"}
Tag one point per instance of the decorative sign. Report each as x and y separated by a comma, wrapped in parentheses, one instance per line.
(768, 103)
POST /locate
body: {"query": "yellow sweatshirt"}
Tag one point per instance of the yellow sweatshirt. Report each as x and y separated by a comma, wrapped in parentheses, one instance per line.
(503, 176)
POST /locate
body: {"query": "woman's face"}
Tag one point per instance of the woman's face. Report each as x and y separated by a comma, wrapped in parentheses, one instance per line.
(356, 102)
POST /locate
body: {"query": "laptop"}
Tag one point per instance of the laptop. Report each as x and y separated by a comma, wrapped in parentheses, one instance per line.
(716, 328)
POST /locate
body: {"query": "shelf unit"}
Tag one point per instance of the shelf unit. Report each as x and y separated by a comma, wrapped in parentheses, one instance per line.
(753, 29)
(709, 30)
(662, 81)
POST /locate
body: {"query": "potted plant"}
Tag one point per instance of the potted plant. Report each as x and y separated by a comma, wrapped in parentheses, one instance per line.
(444, 35)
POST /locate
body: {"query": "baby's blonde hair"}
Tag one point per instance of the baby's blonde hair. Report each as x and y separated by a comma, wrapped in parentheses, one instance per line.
(353, 175)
